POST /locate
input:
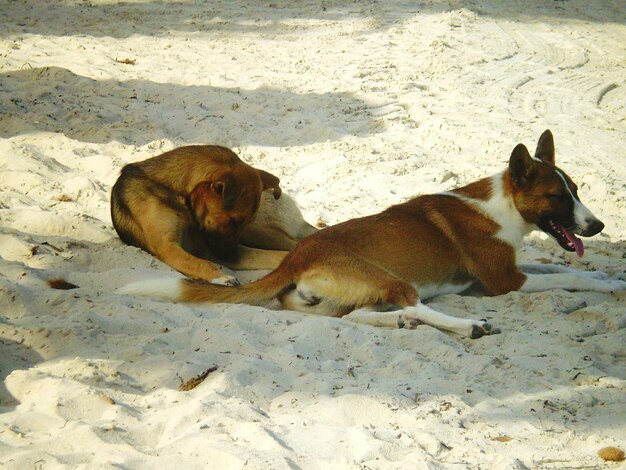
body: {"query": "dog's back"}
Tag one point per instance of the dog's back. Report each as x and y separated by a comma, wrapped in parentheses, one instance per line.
(132, 193)
(181, 169)
(162, 180)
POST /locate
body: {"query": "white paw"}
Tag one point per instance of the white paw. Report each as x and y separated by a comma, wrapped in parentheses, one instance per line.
(225, 280)
(611, 286)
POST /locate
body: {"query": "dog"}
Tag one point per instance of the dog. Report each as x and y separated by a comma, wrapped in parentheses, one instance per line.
(430, 245)
(192, 206)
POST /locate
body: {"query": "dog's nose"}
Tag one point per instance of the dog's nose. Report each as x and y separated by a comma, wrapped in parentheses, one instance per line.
(593, 228)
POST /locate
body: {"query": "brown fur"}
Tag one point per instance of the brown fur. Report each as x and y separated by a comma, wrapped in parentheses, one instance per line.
(437, 239)
(192, 204)
(480, 189)
(355, 264)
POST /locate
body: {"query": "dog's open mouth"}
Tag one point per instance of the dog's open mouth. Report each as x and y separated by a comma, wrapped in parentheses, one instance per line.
(566, 239)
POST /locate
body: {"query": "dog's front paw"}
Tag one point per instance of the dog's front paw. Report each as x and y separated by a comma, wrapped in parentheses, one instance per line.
(608, 286)
(482, 328)
(226, 280)
(613, 286)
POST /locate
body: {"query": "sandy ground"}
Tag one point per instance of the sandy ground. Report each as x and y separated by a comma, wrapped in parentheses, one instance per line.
(356, 106)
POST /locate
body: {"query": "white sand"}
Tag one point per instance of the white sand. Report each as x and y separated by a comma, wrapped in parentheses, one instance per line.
(355, 106)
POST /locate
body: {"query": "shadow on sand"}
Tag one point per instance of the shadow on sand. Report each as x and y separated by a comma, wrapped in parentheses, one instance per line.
(124, 19)
(53, 99)
(13, 355)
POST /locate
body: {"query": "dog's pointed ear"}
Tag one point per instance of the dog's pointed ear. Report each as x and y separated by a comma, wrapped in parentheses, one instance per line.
(545, 147)
(522, 166)
(270, 182)
(227, 188)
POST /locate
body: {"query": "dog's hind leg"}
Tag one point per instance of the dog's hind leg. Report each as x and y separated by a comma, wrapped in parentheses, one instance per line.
(339, 282)
(334, 293)
(253, 258)
(410, 317)
(350, 282)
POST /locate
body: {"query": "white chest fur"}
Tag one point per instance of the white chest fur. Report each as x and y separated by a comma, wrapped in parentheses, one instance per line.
(501, 209)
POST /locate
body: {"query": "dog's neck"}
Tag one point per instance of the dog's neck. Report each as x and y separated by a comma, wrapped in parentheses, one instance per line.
(494, 197)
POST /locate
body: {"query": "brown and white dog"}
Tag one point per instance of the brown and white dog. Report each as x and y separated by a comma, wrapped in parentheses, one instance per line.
(192, 206)
(430, 245)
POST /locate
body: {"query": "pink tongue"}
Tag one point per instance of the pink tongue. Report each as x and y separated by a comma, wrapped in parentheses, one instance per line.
(577, 242)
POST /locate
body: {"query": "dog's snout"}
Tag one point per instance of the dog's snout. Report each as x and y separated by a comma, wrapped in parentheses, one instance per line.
(593, 227)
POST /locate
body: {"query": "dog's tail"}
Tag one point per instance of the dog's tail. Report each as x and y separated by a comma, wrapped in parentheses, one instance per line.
(190, 290)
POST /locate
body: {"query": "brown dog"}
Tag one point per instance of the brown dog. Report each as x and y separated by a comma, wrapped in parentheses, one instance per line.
(430, 245)
(193, 204)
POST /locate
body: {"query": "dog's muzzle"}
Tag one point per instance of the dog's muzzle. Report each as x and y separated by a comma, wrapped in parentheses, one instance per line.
(592, 228)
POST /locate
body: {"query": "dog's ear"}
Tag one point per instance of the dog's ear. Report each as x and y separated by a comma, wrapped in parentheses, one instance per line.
(228, 188)
(198, 195)
(270, 182)
(522, 166)
(545, 147)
